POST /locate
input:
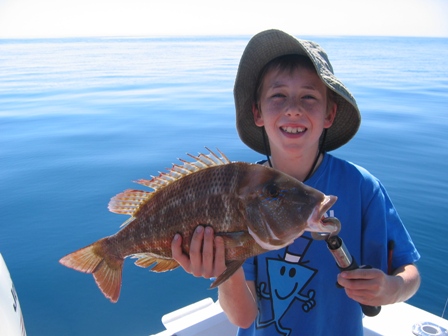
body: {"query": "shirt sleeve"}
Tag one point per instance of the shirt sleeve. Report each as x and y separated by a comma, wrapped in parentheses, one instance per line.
(383, 227)
(250, 269)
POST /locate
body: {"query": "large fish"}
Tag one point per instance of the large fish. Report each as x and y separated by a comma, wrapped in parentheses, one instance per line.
(253, 207)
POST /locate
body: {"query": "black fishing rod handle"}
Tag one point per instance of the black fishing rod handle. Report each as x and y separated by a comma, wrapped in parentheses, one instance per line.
(346, 262)
(370, 310)
(367, 310)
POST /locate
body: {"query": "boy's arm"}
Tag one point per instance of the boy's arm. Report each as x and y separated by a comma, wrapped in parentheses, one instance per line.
(411, 281)
(238, 299)
(207, 259)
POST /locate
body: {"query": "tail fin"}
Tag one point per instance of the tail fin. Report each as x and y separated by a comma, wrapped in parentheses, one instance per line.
(106, 269)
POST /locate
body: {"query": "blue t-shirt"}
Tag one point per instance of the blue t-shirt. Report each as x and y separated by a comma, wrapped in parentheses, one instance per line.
(296, 286)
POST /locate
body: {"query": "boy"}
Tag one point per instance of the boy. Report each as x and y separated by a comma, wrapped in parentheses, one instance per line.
(291, 107)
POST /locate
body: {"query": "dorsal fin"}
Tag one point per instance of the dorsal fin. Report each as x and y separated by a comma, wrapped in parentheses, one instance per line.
(176, 172)
(129, 201)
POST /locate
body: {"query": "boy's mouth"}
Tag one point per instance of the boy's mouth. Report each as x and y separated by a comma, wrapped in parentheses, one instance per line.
(293, 130)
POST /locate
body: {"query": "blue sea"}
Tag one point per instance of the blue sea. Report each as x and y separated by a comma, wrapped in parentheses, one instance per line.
(82, 118)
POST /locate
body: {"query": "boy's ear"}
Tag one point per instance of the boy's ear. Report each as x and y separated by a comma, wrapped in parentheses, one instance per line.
(331, 114)
(258, 118)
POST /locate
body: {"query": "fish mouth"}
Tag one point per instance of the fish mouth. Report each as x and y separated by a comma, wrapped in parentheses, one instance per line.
(293, 130)
(315, 223)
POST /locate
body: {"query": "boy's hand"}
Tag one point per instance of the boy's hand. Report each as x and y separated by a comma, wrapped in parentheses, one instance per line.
(207, 253)
(370, 287)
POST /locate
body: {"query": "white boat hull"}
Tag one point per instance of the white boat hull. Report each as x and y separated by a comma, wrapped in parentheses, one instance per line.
(11, 318)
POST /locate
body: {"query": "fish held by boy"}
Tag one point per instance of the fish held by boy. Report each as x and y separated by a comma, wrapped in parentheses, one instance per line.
(254, 209)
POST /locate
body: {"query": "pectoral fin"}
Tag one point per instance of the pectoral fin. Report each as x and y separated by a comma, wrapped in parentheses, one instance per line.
(232, 267)
(233, 239)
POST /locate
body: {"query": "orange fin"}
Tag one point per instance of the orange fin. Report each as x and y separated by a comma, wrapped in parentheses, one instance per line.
(148, 259)
(129, 201)
(106, 269)
(232, 267)
(234, 239)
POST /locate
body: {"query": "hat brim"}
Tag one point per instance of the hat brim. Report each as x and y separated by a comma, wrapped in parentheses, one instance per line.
(266, 46)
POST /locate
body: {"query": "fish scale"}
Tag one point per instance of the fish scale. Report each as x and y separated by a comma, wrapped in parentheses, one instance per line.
(252, 207)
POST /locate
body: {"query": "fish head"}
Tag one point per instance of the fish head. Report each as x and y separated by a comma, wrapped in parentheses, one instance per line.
(279, 208)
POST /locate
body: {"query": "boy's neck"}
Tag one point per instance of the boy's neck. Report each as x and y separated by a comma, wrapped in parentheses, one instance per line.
(297, 167)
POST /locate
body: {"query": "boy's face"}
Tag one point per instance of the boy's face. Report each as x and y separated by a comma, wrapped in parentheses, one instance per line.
(294, 110)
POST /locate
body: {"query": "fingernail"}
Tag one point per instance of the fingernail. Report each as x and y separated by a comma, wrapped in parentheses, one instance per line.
(176, 237)
(208, 230)
(199, 229)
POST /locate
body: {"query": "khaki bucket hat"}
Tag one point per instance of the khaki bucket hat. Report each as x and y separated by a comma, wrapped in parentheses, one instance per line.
(263, 48)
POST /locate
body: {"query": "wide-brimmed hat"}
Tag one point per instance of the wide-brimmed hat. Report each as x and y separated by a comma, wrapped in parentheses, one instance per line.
(266, 46)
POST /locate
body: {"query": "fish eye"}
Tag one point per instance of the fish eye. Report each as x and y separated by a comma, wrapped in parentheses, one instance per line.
(272, 190)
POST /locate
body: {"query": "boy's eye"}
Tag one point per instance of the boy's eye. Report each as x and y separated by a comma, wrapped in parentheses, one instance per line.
(308, 97)
(278, 95)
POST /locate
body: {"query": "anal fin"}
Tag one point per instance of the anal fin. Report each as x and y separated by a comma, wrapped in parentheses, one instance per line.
(161, 265)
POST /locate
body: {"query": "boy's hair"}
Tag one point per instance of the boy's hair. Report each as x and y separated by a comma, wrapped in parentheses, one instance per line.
(288, 63)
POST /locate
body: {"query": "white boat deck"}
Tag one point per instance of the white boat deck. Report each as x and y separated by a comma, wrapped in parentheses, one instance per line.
(205, 318)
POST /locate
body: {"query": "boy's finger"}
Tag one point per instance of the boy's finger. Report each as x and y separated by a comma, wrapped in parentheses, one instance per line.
(207, 253)
(196, 251)
(360, 274)
(177, 253)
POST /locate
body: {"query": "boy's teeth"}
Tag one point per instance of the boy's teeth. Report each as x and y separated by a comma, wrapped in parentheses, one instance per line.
(293, 129)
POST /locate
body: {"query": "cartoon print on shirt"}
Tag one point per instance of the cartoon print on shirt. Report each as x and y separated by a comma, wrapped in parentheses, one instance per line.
(287, 279)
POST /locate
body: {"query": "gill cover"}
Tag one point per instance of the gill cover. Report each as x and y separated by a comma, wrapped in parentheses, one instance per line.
(278, 207)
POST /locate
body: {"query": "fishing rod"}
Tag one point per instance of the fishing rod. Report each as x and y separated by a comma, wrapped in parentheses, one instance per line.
(344, 260)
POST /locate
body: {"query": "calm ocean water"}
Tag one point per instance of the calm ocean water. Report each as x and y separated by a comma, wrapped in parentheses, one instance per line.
(80, 119)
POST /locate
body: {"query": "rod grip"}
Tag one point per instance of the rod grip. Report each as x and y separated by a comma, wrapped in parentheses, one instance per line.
(346, 262)
(369, 310)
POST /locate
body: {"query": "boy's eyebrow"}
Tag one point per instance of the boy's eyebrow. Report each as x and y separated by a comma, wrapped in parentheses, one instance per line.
(311, 87)
(278, 84)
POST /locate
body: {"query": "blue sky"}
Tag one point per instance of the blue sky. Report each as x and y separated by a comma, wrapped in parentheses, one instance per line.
(67, 18)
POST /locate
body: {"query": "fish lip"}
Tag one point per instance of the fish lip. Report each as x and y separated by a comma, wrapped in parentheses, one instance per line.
(328, 203)
(315, 223)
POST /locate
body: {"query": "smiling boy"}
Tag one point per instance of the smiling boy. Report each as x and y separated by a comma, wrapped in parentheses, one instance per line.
(291, 108)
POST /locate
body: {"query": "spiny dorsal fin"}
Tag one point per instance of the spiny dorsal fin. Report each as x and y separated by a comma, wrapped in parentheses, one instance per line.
(129, 201)
(176, 172)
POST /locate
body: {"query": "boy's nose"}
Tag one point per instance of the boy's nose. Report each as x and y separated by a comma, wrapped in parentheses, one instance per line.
(294, 107)
(293, 113)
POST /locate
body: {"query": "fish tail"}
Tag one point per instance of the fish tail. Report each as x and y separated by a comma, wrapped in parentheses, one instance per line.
(105, 268)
